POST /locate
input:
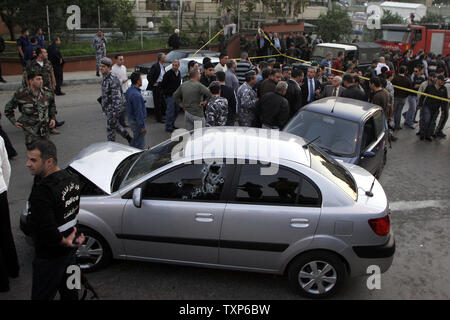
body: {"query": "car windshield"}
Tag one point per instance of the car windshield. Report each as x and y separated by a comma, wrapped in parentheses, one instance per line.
(329, 168)
(396, 35)
(321, 52)
(335, 135)
(175, 55)
(150, 160)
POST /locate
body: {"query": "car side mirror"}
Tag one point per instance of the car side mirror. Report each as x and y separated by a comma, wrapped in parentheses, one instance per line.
(137, 197)
(368, 154)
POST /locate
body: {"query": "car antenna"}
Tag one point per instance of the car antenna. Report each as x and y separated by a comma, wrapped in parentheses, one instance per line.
(306, 145)
(369, 193)
(332, 109)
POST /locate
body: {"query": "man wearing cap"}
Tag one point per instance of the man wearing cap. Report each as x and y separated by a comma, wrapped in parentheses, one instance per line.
(216, 111)
(99, 43)
(431, 106)
(136, 111)
(247, 100)
(112, 101)
(174, 40)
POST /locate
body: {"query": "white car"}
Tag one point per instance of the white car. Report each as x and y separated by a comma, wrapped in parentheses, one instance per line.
(148, 94)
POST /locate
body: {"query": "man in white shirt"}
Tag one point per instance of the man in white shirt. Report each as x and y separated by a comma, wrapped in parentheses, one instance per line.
(222, 65)
(380, 65)
(9, 264)
(120, 71)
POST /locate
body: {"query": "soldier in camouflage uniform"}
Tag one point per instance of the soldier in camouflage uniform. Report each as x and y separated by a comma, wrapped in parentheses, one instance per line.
(113, 101)
(99, 44)
(216, 111)
(37, 107)
(41, 66)
(247, 101)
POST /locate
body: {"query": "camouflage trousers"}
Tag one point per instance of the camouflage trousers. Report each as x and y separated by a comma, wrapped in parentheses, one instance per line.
(112, 126)
(36, 133)
(246, 118)
(98, 56)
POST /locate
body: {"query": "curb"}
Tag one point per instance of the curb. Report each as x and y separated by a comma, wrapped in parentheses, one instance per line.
(13, 86)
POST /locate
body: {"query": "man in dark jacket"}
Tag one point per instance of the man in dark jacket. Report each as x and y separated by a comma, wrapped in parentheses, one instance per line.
(400, 80)
(136, 111)
(311, 87)
(269, 84)
(227, 93)
(294, 93)
(54, 203)
(352, 89)
(55, 57)
(170, 84)
(174, 40)
(273, 108)
(207, 74)
(155, 77)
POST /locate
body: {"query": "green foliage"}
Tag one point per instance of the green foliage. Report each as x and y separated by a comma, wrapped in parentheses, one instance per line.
(391, 18)
(125, 19)
(433, 18)
(335, 25)
(166, 25)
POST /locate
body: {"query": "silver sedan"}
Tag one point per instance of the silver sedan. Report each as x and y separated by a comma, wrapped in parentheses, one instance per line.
(243, 199)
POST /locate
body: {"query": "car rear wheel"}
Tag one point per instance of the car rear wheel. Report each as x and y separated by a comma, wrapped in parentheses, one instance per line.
(317, 274)
(94, 253)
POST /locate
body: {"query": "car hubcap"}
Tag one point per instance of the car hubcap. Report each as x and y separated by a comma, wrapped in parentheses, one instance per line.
(317, 277)
(89, 253)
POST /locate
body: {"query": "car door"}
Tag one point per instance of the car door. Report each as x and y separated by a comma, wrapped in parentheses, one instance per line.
(265, 215)
(369, 143)
(180, 215)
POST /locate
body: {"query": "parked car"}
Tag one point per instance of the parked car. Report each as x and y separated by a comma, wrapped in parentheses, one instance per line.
(177, 55)
(349, 130)
(307, 216)
(148, 94)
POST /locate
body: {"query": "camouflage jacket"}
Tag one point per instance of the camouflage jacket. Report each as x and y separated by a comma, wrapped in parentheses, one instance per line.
(247, 104)
(35, 110)
(216, 112)
(46, 71)
(113, 100)
(99, 44)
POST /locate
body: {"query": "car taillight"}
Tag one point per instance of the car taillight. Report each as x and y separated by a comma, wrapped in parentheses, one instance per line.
(380, 226)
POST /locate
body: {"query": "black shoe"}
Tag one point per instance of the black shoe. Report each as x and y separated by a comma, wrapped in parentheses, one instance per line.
(428, 139)
(398, 128)
(170, 130)
(97, 74)
(394, 138)
(422, 138)
(129, 138)
(433, 135)
(418, 133)
(441, 135)
(59, 123)
(175, 128)
(60, 93)
(160, 121)
(2, 80)
(415, 121)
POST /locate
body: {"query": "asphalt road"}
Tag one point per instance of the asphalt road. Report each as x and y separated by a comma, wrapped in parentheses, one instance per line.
(416, 180)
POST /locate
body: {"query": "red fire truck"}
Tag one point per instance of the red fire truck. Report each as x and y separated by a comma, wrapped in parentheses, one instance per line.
(415, 37)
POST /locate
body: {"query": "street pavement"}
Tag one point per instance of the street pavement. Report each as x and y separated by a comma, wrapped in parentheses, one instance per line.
(416, 180)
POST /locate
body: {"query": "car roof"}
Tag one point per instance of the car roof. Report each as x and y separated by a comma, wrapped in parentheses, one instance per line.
(245, 143)
(346, 108)
(193, 50)
(337, 45)
(199, 60)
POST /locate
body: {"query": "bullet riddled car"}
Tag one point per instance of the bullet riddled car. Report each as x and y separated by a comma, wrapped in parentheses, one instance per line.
(252, 200)
(349, 130)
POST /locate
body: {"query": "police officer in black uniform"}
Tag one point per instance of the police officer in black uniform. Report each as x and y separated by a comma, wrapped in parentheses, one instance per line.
(53, 207)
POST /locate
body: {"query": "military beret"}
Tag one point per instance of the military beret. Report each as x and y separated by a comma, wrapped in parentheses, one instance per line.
(314, 64)
(271, 60)
(250, 73)
(106, 61)
(287, 68)
(441, 77)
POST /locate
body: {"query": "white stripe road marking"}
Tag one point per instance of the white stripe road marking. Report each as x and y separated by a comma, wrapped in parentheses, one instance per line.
(414, 205)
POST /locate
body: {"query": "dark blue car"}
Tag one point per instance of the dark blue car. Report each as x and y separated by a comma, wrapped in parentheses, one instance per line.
(349, 130)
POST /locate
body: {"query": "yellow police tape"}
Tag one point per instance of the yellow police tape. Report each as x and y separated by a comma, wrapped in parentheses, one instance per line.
(209, 41)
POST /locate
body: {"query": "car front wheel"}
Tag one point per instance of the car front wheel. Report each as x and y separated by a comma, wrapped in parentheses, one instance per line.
(94, 253)
(317, 274)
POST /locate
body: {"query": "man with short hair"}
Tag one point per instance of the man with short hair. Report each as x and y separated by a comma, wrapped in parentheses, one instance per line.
(112, 101)
(311, 87)
(327, 63)
(192, 97)
(229, 94)
(410, 115)
(40, 37)
(243, 66)
(216, 111)
(41, 65)
(54, 204)
(22, 43)
(431, 106)
(207, 74)
(380, 96)
(155, 77)
(273, 108)
(202, 40)
(352, 89)
(29, 51)
(120, 71)
(174, 40)
(270, 84)
(335, 89)
(228, 22)
(230, 77)
(136, 111)
(294, 92)
(400, 80)
(57, 61)
(337, 64)
(171, 82)
(99, 43)
(37, 107)
(247, 98)
(381, 64)
(222, 65)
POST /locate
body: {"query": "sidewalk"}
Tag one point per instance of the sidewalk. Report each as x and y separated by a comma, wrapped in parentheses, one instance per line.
(70, 78)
